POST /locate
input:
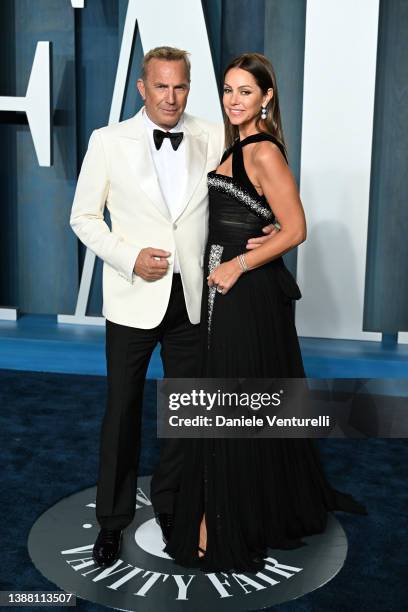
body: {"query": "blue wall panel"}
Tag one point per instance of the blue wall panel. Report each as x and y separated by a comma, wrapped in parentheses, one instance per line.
(42, 259)
(97, 54)
(8, 209)
(242, 28)
(386, 296)
(285, 47)
(38, 200)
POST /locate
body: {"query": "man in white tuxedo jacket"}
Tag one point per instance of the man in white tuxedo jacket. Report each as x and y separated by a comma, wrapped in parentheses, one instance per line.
(151, 173)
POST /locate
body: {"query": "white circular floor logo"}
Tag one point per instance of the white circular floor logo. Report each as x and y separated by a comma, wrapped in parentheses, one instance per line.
(148, 537)
(146, 578)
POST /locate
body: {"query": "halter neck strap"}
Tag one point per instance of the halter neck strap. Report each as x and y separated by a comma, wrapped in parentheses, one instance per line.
(238, 167)
(259, 138)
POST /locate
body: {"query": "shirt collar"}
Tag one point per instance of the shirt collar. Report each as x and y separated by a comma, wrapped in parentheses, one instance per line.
(152, 126)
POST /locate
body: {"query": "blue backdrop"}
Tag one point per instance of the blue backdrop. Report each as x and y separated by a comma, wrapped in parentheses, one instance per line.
(41, 258)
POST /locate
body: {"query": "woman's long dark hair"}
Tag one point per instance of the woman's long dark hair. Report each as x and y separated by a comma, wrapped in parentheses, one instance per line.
(262, 71)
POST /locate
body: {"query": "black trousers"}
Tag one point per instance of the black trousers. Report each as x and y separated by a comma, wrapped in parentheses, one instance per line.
(128, 351)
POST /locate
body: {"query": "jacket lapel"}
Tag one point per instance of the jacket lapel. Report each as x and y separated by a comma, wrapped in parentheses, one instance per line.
(141, 161)
(196, 157)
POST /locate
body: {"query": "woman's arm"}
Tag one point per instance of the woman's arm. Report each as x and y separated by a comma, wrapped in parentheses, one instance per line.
(273, 175)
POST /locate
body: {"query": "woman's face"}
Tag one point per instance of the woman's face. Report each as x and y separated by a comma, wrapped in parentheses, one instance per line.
(243, 97)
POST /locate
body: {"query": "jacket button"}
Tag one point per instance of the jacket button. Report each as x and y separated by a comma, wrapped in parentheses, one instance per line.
(175, 226)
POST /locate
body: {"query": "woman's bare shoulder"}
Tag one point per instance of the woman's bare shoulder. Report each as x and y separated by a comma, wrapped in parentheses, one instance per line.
(267, 156)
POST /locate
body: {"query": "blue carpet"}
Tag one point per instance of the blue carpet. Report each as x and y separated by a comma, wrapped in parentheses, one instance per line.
(49, 439)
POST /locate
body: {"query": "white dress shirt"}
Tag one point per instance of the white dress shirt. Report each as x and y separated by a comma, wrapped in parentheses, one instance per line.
(170, 169)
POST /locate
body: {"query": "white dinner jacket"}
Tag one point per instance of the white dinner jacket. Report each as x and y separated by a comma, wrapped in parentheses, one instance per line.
(118, 172)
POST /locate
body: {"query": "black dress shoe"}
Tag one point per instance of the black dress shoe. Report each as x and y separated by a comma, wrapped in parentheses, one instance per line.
(166, 522)
(107, 547)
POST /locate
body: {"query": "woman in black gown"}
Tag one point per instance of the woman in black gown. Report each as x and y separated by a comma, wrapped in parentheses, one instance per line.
(240, 496)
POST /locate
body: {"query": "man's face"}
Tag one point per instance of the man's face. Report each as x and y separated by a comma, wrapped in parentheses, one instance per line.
(164, 91)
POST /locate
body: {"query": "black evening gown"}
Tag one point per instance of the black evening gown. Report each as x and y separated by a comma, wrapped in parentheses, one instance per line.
(256, 493)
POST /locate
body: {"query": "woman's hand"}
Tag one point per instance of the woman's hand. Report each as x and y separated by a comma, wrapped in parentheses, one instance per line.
(225, 276)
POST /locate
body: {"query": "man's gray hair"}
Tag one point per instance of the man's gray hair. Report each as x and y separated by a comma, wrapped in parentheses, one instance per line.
(168, 54)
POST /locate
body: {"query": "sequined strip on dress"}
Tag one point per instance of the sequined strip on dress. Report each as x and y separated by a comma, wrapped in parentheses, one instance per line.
(223, 184)
(213, 262)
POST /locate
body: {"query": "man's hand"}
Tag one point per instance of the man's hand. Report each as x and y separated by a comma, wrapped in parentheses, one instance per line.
(151, 264)
(269, 230)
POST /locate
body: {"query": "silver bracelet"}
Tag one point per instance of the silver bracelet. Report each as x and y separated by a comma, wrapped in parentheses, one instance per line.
(242, 262)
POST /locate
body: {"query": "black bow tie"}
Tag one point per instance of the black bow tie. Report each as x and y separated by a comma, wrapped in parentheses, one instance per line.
(175, 138)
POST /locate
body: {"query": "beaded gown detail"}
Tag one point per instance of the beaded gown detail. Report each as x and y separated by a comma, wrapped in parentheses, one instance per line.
(256, 493)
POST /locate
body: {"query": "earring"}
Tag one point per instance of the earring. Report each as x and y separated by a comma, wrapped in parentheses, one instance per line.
(263, 112)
